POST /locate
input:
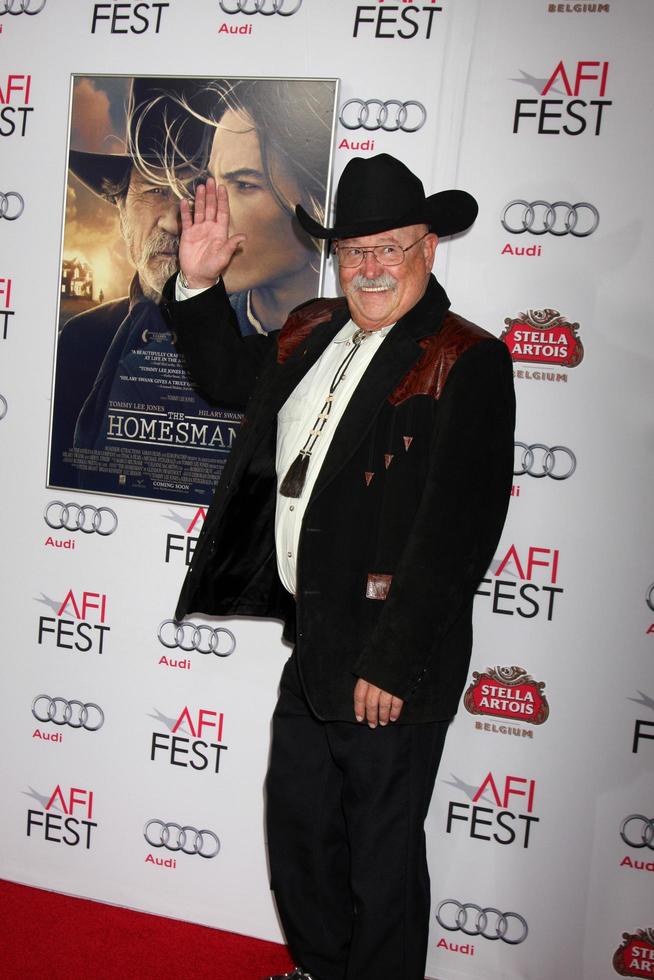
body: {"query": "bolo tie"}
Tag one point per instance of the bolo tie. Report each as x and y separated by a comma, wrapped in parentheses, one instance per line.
(293, 483)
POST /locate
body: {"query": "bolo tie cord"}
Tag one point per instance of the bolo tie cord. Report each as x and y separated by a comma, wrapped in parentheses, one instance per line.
(293, 483)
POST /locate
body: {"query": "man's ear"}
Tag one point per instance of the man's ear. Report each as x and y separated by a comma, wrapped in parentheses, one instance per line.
(429, 249)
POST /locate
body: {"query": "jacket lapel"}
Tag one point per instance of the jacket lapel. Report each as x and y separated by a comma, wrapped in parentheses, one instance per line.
(285, 377)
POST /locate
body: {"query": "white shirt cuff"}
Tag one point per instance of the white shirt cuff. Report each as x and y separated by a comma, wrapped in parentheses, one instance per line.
(187, 292)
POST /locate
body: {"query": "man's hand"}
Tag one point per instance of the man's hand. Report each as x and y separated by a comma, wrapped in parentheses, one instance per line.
(205, 247)
(375, 705)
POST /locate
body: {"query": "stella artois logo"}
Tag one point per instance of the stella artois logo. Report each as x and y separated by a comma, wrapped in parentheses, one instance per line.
(543, 337)
(507, 692)
(635, 957)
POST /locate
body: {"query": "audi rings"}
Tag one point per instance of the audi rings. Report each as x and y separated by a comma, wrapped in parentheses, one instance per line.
(559, 218)
(391, 115)
(488, 923)
(3, 406)
(644, 833)
(538, 460)
(75, 714)
(6, 207)
(649, 598)
(185, 839)
(15, 7)
(80, 517)
(285, 8)
(190, 636)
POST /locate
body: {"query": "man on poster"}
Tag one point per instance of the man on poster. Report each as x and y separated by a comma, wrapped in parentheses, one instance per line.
(362, 504)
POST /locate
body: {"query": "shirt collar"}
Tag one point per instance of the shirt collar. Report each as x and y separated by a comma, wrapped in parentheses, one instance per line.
(348, 331)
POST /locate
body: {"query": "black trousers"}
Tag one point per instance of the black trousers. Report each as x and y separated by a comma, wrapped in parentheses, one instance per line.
(346, 807)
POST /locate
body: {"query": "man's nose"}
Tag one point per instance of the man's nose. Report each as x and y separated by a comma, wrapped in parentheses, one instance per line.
(372, 267)
(169, 219)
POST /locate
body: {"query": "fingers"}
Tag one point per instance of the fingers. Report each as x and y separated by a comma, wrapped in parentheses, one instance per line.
(374, 705)
(360, 689)
(185, 215)
(205, 205)
(199, 204)
(210, 204)
(221, 214)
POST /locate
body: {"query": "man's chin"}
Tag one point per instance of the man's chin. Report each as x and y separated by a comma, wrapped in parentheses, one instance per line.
(374, 302)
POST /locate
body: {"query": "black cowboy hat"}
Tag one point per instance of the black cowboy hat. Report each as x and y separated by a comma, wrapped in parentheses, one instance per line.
(378, 193)
(154, 111)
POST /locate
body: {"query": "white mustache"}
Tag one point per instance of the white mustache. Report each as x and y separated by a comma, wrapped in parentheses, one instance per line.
(160, 242)
(383, 281)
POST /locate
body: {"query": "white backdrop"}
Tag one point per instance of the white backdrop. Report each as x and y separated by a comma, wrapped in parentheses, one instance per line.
(527, 816)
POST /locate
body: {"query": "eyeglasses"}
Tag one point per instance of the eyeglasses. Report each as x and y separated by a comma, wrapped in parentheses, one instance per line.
(350, 256)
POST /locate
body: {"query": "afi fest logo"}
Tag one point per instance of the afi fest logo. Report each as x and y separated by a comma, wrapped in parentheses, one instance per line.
(193, 740)
(635, 956)
(406, 20)
(523, 583)
(649, 599)
(127, 18)
(643, 727)
(14, 105)
(583, 86)
(183, 544)
(66, 817)
(543, 337)
(508, 693)
(508, 813)
(5, 304)
(79, 622)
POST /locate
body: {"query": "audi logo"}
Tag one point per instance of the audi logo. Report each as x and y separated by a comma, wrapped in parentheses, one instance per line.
(390, 116)
(488, 923)
(644, 833)
(174, 837)
(265, 7)
(75, 714)
(77, 517)
(15, 7)
(190, 636)
(560, 218)
(649, 598)
(3, 406)
(538, 460)
(6, 206)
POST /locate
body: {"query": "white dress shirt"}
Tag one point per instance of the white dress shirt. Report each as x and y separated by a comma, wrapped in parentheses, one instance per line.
(294, 423)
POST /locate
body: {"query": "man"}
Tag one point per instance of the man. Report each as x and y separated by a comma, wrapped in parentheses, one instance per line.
(361, 504)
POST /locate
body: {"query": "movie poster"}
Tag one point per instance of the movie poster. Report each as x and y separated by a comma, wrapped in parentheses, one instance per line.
(126, 416)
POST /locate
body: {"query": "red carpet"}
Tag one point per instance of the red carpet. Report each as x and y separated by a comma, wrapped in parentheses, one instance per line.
(46, 936)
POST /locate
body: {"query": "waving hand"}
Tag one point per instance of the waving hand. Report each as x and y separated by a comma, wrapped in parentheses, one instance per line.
(206, 247)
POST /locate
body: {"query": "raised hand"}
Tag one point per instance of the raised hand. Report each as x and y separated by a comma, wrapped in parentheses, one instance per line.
(206, 247)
